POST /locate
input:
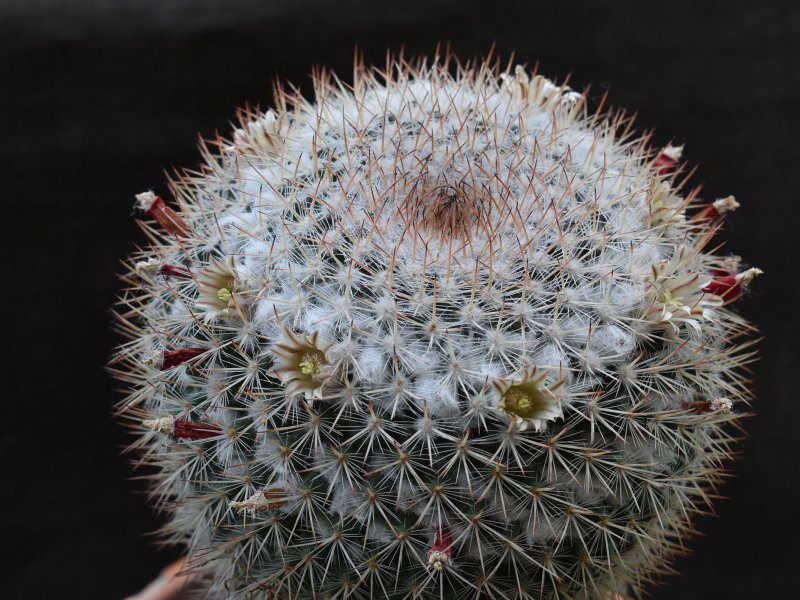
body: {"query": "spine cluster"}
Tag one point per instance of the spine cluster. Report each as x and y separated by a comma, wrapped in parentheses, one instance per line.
(443, 333)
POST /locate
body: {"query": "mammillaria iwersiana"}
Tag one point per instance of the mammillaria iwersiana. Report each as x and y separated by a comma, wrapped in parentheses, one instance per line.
(443, 333)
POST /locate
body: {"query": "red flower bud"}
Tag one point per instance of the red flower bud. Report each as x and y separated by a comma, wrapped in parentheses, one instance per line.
(716, 210)
(176, 272)
(154, 207)
(164, 360)
(441, 550)
(182, 429)
(698, 406)
(192, 430)
(173, 358)
(667, 159)
(730, 287)
(151, 267)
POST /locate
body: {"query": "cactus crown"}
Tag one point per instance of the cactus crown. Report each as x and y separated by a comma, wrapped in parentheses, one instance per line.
(444, 333)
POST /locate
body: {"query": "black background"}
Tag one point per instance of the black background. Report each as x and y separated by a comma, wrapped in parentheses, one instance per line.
(98, 98)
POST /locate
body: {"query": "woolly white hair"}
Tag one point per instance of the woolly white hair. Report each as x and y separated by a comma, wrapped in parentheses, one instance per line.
(441, 333)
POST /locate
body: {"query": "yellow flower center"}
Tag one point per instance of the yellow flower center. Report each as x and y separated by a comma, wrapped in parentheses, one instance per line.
(658, 202)
(666, 298)
(312, 364)
(523, 402)
(224, 294)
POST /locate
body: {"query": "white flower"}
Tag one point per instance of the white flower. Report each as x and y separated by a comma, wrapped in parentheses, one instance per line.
(665, 206)
(217, 285)
(675, 293)
(527, 400)
(261, 135)
(539, 88)
(302, 363)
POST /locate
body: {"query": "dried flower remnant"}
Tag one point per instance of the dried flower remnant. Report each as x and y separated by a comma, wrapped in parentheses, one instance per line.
(263, 500)
(717, 405)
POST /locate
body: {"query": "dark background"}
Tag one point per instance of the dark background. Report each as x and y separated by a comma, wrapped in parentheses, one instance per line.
(98, 98)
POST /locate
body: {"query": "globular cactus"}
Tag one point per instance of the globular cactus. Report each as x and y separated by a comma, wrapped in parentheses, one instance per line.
(443, 333)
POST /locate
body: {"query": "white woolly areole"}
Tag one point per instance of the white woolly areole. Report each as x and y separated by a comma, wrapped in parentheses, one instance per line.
(376, 269)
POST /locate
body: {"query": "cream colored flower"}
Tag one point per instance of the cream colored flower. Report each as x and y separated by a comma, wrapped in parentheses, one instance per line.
(217, 285)
(302, 363)
(675, 293)
(527, 400)
(539, 89)
(259, 136)
(665, 207)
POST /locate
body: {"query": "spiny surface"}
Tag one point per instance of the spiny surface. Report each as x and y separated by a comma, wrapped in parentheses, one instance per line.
(443, 333)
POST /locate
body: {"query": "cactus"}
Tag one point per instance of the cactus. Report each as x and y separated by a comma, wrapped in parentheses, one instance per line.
(443, 333)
